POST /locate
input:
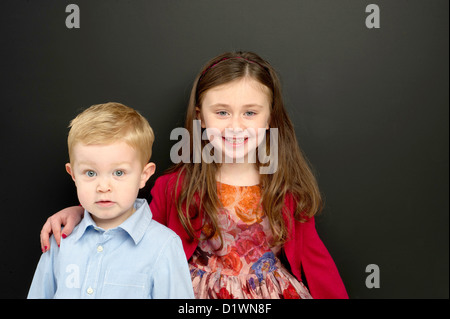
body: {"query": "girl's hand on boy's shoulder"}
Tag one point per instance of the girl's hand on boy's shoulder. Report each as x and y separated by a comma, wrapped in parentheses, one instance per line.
(68, 217)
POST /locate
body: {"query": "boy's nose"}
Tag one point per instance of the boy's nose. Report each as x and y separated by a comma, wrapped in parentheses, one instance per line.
(103, 186)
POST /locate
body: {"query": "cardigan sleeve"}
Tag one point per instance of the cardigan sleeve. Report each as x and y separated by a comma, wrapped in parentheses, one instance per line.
(308, 256)
(164, 210)
(319, 268)
(159, 199)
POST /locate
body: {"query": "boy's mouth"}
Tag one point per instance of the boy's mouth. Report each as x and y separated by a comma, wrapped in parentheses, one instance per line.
(104, 203)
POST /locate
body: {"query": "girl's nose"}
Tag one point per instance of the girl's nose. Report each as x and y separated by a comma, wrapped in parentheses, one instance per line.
(236, 124)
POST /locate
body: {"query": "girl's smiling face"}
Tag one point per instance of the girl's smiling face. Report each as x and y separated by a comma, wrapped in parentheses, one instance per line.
(232, 113)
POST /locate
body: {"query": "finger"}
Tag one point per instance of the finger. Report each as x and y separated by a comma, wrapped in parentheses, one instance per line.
(45, 236)
(68, 228)
(56, 229)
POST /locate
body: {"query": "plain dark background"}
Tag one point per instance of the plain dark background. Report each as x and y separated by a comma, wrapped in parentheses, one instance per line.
(370, 108)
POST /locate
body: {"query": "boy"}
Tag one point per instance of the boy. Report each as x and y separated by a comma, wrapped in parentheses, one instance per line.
(117, 250)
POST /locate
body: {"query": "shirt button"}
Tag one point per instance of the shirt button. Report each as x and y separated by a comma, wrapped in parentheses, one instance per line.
(90, 291)
(100, 248)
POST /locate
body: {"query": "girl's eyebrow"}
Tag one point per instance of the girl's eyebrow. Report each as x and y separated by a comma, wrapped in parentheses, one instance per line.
(216, 105)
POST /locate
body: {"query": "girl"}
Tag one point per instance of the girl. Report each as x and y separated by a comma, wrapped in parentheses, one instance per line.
(245, 234)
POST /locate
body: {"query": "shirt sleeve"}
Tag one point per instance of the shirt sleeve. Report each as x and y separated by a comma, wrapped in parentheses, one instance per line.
(171, 279)
(43, 285)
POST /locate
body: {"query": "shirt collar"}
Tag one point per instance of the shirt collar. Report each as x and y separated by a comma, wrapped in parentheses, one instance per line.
(136, 225)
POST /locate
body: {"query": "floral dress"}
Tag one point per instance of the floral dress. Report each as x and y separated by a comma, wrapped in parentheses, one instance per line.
(247, 265)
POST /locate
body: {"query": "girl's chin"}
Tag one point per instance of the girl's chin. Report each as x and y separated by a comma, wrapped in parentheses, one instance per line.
(233, 157)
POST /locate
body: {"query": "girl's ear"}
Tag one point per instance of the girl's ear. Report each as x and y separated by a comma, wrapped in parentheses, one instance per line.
(198, 116)
(148, 171)
(69, 171)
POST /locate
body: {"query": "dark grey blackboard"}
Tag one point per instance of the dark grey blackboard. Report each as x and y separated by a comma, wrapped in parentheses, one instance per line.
(370, 108)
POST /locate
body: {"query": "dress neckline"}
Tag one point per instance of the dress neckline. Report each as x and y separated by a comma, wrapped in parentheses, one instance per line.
(238, 186)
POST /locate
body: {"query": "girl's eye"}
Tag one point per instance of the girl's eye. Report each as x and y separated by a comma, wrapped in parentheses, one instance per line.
(249, 113)
(119, 173)
(222, 113)
(90, 173)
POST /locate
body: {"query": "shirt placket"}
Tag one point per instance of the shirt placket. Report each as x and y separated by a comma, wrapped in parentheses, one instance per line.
(95, 273)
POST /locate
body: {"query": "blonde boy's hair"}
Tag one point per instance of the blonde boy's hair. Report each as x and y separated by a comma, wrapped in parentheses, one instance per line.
(111, 122)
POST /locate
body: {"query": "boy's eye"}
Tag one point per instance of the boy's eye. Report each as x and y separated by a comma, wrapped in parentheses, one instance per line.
(119, 173)
(90, 173)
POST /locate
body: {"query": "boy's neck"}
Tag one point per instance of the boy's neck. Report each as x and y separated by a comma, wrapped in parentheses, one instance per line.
(238, 174)
(107, 224)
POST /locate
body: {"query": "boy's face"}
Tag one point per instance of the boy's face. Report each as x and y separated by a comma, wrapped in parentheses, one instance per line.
(108, 179)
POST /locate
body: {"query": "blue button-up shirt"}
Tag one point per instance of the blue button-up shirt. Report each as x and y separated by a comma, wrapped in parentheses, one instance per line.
(138, 259)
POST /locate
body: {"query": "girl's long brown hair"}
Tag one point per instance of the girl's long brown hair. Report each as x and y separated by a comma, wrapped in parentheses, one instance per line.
(293, 176)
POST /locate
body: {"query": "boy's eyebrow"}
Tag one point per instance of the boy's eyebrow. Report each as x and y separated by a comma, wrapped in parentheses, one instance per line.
(85, 163)
(88, 163)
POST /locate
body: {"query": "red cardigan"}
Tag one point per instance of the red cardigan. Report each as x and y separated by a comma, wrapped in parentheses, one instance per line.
(304, 250)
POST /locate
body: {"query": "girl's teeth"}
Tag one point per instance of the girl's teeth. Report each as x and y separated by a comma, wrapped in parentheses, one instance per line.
(235, 140)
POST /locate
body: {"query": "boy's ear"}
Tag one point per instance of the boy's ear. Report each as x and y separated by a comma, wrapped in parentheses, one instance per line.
(69, 171)
(148, 171)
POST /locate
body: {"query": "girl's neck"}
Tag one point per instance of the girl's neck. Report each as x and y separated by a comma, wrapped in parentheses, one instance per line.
(238, 174)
